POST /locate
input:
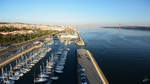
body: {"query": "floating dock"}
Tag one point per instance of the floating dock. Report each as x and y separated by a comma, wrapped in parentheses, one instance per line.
(88, 71)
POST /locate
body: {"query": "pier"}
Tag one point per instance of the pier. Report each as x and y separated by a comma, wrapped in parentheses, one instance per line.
(88, 70)
(80, 41)
(12, 58)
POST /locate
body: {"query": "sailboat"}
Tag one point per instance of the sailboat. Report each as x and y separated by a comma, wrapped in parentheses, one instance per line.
(41, 77)
(2, 74)
(9, 81)
(54, 78)
(43, 72)
(40, 80)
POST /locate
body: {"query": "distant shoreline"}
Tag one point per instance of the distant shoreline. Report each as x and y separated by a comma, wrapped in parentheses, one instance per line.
(132, 27)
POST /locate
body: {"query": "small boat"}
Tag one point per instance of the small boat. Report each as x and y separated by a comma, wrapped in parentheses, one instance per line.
(42, 77)
(42, 56)
(48, 72)
(14, 78)
(19, 73)
(42, 74)
(146, 79)
(67, 49)
(40, 80)
(59, 67)
(54, 78)
(58, 71)
(35, 60)
(9, 82)
(49, 65)
(49, 49)
(32, 64)
(3, 76)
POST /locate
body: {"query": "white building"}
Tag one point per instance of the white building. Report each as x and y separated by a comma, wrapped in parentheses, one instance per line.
(74, 36)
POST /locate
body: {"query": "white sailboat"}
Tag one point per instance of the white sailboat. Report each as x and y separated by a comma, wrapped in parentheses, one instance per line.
(2, 74)
(54, 78)
(41, 77)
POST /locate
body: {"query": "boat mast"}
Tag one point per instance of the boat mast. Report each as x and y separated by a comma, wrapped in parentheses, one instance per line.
(2, 70)
(10, 69)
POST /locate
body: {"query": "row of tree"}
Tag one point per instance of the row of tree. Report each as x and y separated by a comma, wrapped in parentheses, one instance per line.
(18, 38)
(8, 29)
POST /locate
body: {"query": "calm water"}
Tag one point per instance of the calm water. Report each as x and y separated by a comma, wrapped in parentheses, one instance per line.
(123, 56)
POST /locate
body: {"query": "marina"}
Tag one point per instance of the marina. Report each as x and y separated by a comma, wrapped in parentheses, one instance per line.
(47, 64)
(22, 65)
(55, 64)
(51, 65)
(75, 42)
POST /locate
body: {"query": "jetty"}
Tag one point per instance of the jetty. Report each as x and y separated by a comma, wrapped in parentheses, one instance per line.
(88, 71)
(80, 41)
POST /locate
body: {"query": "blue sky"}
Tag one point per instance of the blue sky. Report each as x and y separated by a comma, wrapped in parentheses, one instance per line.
(76, 11)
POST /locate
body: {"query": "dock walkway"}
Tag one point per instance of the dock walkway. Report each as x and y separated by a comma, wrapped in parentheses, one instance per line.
(86, 64)
(80, 41)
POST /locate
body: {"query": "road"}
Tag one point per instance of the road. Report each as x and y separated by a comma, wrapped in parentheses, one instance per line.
(18, 48)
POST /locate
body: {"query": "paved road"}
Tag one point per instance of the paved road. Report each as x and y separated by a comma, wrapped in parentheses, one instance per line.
(17, 48)
(15, 56)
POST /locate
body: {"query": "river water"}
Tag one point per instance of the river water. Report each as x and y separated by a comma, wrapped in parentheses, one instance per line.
(123, 56)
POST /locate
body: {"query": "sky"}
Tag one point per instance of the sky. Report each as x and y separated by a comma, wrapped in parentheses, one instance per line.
(76, 12)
